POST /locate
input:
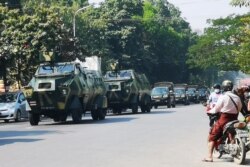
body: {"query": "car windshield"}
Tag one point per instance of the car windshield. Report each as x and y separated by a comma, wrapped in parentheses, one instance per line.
(57, 69)
(191, 90)
(121, 74)
(179, 90)
(159, 91)
(8, 97)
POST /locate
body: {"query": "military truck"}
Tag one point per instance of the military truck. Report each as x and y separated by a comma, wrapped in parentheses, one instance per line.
(193, 93)
(127, 89)
(66, 88)
(163, 94)
(181, 95)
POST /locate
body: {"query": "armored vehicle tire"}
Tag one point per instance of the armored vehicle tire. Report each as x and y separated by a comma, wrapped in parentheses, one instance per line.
(168, 104)
(94, 115)
(134, 108)
(76, 115)
(173, 105)
(18, 116)
(101, 113)
(34, 119)
(145, 108)
(63, 117)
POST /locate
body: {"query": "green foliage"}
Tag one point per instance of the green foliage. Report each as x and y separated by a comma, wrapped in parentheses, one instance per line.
(27, 35)
(240, 2)
(215, 47)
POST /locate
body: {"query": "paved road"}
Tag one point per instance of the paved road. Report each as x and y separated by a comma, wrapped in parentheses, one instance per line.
(174, 137)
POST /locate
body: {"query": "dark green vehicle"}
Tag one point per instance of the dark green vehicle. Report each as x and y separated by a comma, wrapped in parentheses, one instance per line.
(127, 89)
(61, 89)
(163, 94)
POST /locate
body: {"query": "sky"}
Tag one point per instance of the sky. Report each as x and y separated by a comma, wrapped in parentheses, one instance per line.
(196, 12)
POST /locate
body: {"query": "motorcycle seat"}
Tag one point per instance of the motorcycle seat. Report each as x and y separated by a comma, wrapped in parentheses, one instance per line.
(229, 125)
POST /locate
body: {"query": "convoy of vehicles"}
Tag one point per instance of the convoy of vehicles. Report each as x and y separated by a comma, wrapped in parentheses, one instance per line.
(60, 89)
(66, 88)
(127, 89)
(163, 94)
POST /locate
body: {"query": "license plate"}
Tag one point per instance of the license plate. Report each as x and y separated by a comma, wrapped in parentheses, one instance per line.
(242, 133)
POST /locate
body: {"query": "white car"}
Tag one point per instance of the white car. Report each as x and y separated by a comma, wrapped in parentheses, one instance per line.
(13, 106)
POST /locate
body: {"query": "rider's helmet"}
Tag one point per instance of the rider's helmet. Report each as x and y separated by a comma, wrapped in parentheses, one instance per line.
(227, 85)
(216, 86)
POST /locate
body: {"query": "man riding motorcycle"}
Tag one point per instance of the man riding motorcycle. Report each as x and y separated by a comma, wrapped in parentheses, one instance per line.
(228, 105)
(212, 100)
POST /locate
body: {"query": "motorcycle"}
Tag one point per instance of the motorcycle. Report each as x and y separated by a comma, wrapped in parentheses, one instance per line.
(234, 141)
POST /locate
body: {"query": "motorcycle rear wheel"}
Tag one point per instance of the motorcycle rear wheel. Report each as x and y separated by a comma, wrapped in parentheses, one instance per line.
(241, 151)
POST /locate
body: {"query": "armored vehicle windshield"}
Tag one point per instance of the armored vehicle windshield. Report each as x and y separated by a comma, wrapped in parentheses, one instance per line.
(56, 69)
(123, 74)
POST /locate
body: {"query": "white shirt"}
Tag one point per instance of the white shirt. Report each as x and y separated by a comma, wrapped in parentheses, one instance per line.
(225, 104)
(213, 98)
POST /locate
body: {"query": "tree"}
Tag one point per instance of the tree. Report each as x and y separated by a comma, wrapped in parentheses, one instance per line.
(27, 35)
(214, 48)
(240, 3)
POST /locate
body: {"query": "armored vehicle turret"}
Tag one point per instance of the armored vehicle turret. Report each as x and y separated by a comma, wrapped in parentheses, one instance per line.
(66, 88)
(127, 89)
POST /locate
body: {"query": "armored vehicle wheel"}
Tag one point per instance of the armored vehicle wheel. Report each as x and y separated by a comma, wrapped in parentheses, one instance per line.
(169, 104)
(134, 108)
(101, 113)
(143, 108)
(148, 108)
(63, 117)
(34, 119)
(94, 115)
(76, 115)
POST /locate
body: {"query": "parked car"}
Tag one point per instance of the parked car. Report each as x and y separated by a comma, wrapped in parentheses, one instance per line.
(13, 106)
(163, 94)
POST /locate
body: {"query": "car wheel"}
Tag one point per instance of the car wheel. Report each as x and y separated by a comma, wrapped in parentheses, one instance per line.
(18, 116)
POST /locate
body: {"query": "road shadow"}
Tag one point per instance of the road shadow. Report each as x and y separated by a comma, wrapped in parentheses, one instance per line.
(107, 120)
(161, 112)
(7, 134)
(12, 141)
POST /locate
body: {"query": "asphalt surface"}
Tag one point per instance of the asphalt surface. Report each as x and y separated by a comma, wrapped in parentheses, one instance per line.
(166, 137)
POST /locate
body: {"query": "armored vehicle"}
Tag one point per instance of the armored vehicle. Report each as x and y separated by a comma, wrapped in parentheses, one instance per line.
(181, 95)
(193, 93)
(163, 94)
(66, 88)
(127, 89)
